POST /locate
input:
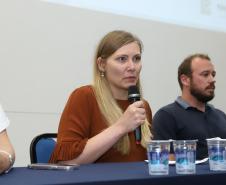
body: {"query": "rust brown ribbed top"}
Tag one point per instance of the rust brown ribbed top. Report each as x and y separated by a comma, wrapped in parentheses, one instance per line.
(81, 120)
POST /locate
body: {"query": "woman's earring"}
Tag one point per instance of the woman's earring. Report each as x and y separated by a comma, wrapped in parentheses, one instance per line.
(102, 74)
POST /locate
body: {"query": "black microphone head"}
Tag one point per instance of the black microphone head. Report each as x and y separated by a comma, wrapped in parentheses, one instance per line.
(133, 94)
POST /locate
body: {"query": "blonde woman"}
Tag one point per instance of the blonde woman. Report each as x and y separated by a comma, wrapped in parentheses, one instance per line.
(98, 122)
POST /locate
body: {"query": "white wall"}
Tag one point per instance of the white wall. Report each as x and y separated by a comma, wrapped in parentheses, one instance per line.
(47, 50)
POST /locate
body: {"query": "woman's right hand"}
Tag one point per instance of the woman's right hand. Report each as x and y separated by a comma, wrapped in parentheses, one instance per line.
(133, 117)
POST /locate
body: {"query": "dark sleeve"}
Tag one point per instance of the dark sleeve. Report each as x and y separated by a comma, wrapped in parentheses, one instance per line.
(164, 125)
(224, 115)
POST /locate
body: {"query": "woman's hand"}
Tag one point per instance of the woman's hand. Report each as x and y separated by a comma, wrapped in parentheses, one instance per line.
(133, 117)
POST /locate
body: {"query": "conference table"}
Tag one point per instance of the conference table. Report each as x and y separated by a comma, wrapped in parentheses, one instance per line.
(111, 173)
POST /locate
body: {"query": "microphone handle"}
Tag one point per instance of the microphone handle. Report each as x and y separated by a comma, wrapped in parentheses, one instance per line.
(137, 131)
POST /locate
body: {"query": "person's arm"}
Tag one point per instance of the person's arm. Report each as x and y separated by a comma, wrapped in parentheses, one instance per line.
(164, 128)
(7, 154)
(99, 144)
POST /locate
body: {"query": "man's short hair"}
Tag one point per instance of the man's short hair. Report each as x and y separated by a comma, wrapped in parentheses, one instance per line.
(185, 66)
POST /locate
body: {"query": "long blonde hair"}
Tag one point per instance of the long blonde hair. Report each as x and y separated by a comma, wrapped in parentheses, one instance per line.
(107, 104)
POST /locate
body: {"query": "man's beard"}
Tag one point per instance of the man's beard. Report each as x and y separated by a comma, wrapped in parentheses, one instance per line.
(199, 95)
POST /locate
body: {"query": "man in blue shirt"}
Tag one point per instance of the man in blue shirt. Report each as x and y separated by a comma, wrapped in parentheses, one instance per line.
(190, 116)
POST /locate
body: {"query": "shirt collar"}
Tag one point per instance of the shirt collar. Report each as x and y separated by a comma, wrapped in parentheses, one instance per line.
(186, 105)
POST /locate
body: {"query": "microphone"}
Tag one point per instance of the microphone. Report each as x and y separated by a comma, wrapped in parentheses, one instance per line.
(133, 96)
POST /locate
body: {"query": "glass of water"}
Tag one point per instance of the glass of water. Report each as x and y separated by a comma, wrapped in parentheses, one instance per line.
(158, 157)
(217, 154)
(185, 154)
